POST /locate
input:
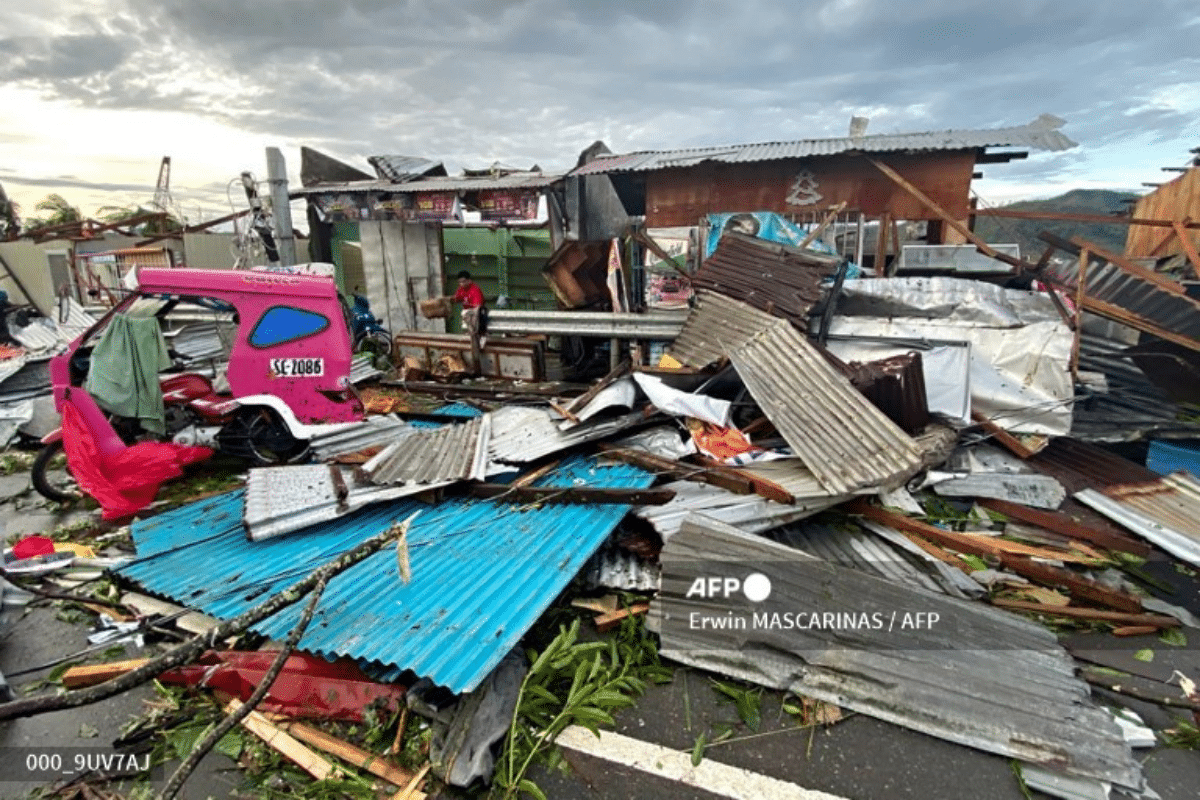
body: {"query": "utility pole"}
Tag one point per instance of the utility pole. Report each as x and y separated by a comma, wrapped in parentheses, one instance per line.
(281, 206)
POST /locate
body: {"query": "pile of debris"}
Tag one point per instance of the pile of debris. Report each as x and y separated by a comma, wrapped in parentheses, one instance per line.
(861, 491)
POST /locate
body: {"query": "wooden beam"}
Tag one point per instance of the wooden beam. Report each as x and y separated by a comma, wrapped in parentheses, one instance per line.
(284, 743)
(610, 620)
(1079, 587)
(829, 218)
(970, 544)
(573, 494)
(945, 216)
(608, 380)
(1127, 317)
(656, 248)
(1065, 526)
(1054, 216)
(1093, 614)
(881, 246)
(1010, 442)
(1080, 288)
(1156, 278)
(355, 756)
(762, 487)
(729, 480)
(1189, 247)
(94, 674)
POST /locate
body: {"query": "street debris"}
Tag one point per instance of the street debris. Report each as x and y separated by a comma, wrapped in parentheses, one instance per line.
(885, 496)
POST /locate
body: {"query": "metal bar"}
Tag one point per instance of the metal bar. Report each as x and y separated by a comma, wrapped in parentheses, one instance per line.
(586, 323)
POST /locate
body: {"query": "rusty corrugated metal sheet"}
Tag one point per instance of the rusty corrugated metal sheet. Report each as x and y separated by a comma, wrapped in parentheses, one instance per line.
(1078, 465)
(716, 324)
(1041, 134)
(1172, 500)
(1112, 286)
(847, 442)
(773, 277)
(404, 168)
(896, 386)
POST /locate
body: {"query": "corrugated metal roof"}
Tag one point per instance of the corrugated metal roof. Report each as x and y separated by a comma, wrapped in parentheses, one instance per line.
(748, 512)
(374, 431)
(767, 275)
(520, 435)
(362, 368)
(448, 453)
(1165, 510)
(403, 168)
(523, 180)
(1110, 284)
(616, 568)
(482, 573)
(1078, 465)
(281, 500)
(716, 325)
(980, 677)
(199, 341)
(847, 442)
(1041, 134)
(882, 552)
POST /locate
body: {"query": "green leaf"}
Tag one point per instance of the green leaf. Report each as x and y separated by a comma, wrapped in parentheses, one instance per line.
(976, 563)
(1174, 637)
(1146, 655)
(532, 789)
(749, 708)
(596, 716)
(541, 692)
(698, 749)
(231, 745)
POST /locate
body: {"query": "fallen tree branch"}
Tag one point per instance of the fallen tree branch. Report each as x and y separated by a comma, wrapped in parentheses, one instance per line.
(188, 651)
(226, 725)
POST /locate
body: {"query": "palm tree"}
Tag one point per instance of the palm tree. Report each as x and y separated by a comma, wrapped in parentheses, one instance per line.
(59, 211)
(167, 223)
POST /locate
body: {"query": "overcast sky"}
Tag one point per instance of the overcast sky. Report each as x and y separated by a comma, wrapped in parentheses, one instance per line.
(94, 94)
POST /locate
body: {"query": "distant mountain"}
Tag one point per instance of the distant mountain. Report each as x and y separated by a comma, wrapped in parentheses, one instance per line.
(998, 230)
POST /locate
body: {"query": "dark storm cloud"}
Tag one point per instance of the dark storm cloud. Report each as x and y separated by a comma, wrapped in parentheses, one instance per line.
(475, 81)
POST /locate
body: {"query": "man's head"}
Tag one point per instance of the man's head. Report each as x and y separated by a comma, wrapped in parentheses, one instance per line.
(464, 278)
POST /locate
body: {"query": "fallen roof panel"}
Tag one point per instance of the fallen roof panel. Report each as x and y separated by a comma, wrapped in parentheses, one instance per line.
(520, 435)
(980, 677)
(767, 275)
(714, 326)
(451, 452)
(847, 442)
(482, 573)
(1165, 511)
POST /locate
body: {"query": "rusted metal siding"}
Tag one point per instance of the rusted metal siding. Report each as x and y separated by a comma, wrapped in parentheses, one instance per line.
(769, 276)
(449, 453)
(847, 442)
(682, 196)
(1176, 200)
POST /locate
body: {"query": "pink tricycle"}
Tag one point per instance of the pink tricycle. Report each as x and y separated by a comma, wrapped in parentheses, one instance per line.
(286, 349)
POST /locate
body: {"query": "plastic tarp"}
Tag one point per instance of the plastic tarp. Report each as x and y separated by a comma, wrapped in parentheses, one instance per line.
(1020, 347)
(123, 480)
(763, 224)
(684, 404)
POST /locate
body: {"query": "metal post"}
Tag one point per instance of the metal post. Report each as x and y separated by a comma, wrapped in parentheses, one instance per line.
(280, 206)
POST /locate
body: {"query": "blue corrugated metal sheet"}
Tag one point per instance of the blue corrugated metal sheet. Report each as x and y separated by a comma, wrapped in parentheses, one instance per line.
(482, 573)
(1166, 458)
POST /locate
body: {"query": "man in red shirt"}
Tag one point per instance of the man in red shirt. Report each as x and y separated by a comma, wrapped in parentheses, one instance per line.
(474, 313)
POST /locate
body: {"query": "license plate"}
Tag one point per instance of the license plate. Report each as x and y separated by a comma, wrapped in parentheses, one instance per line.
(297, 367)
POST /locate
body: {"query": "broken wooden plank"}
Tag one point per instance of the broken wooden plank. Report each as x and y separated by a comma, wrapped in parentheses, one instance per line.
(1011, 443)
(1149, 276)
(606, 622)
(945, 216)
(351, 754)
(573, 494)
(728, 480)
(1064, 525)
(92, 674)
(1077, 586)
(1157, 621)
(762, 487)
(970, 544)
(1134, 630)
(190, 621)
(825, 223)
(410, 792)
(283, 743)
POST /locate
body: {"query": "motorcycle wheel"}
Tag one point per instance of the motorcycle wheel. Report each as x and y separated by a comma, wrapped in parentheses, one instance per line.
(261, 437)
(377, 343)
(50, 475)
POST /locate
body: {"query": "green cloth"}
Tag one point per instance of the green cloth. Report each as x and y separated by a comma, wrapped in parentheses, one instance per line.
(123, 376)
